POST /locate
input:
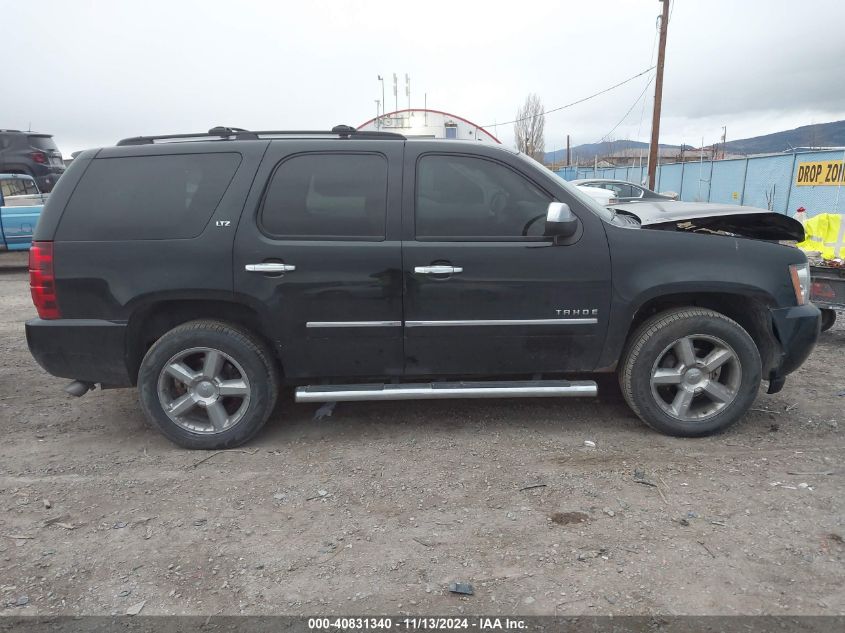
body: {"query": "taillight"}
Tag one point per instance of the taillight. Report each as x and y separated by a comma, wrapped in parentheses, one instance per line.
(42, 282)
(822, 291)
(39, 157)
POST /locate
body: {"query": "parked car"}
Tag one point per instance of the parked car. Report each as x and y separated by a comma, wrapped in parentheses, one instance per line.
(20, 207)
(603, 196)
(31, 154)
(622, 190)
(366, 266)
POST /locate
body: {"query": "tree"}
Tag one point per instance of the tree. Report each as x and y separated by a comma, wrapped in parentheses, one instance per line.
(528, 128)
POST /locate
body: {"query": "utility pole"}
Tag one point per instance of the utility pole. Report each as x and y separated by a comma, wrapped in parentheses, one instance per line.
(383, 101)
(567, 150)
(658, 96)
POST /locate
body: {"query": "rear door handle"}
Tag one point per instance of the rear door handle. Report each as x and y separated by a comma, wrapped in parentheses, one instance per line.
(270, 267)
(438, 270)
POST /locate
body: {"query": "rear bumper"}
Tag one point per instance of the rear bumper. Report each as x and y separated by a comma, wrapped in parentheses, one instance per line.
(48, 181)
(797, 330)
(82, 349)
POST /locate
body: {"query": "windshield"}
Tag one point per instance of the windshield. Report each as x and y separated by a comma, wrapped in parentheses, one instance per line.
(603, 212)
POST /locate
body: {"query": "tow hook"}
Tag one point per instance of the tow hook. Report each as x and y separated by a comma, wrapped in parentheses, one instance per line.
(78, 388)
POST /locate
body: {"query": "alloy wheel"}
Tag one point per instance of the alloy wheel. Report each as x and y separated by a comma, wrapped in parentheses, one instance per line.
(696, 377)
(203, 390)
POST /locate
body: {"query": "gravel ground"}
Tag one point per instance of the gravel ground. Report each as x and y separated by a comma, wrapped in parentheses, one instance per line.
(377, 508)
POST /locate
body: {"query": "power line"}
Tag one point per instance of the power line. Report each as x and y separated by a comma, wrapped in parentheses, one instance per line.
(569, 105)
(633, 105)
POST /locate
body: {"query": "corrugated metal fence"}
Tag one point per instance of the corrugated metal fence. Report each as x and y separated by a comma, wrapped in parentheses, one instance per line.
(767, 182)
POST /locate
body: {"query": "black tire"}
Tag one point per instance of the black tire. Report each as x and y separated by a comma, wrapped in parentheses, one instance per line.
(654, 339)
(250, 356)
(828, 319)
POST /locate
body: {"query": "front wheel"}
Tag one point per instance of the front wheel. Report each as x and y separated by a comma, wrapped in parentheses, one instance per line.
(208, 385)
(690, 372)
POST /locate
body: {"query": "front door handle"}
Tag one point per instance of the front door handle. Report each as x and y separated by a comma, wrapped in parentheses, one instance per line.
(438, 270)
(270, 267)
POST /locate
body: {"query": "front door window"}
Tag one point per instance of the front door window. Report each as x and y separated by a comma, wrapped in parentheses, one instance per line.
(461, 197)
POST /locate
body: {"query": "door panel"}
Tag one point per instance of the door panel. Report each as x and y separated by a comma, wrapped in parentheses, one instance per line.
(519, 305)
(338, 312)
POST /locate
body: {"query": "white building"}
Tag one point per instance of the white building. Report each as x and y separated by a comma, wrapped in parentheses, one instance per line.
(429, 124)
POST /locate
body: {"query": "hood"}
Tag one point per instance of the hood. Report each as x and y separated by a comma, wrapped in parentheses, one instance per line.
(750, 222)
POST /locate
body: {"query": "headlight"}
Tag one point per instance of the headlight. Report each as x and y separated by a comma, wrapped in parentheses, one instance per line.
(800, 274)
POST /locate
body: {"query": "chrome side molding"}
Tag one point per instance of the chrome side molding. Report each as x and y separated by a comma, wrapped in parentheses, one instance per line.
(444, 390)
(322, 324)
(475, 322)
(460, 322)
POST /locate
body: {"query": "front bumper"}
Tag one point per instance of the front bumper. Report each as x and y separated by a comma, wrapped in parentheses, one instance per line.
(89, 350)
(797, 330)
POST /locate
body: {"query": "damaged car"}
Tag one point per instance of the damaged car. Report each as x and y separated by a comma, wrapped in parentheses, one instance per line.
(349, 266)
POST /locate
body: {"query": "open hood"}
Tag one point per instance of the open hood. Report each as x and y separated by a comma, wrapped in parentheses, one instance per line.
(716, 218)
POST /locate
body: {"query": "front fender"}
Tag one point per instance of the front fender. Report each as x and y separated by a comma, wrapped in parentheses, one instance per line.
(689, 269)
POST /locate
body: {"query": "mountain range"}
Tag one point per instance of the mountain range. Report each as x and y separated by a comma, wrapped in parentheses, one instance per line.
(817, 135)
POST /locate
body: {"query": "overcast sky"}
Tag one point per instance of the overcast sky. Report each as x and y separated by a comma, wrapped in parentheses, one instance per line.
(91, 72)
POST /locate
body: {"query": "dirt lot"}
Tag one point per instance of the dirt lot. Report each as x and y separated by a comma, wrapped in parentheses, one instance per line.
(377, 508)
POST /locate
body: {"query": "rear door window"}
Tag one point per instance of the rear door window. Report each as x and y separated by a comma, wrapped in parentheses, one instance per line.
(327, 196)
(624, 191)
(147, 197)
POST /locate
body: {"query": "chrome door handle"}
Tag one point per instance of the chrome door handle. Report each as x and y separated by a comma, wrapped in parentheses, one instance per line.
(269, 267)
(438, 270)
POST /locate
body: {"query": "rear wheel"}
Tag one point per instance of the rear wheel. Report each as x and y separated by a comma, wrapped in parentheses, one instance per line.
(690, 372)
(208, 385)
(828, 319)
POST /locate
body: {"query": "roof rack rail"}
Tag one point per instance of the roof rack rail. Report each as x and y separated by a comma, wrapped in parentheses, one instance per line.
(223, 133)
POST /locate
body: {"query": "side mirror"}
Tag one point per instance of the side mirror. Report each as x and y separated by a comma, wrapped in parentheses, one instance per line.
(560, 221)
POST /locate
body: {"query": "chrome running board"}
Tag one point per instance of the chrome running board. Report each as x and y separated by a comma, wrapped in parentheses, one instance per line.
(442, 390)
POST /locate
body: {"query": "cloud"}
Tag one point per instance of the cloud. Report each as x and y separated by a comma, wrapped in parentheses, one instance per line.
(103, 71)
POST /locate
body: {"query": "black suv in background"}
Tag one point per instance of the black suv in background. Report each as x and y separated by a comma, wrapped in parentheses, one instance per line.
(210, 269)
(32, 154)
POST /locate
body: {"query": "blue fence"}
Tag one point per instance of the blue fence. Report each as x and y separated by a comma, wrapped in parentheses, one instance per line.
(767, 182)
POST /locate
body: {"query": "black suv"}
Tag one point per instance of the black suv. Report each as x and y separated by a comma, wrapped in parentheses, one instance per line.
(210, 269)
(32, 154)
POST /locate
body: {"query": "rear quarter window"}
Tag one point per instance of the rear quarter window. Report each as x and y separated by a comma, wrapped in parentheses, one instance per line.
(147, 197)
